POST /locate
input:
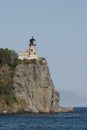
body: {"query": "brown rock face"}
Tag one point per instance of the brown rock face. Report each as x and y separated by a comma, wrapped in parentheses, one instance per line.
(34, 88)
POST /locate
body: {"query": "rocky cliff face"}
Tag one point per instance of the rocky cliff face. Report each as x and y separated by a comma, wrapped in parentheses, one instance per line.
(34, 89)
(28, 88)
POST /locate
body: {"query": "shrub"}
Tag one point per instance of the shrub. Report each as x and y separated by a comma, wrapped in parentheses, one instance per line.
(15, 63)
(31, 61)
(7, 56)
(42, 61)
(9, 99)
(5, 85)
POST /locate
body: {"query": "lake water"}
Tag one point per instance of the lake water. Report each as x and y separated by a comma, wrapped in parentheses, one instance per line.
(63, 121)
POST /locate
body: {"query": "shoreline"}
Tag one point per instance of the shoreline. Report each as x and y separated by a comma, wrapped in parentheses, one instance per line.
(61, 110)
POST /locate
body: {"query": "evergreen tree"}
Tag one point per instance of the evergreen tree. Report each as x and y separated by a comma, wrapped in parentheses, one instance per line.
(7, 56)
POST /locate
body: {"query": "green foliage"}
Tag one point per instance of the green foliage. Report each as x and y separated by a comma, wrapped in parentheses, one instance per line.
(31, 61)
(6, 92)
(5, 86)
(25, 61)
(42, 61)
(9, 99)
(15, 63)
(14, 56)
(7, 56)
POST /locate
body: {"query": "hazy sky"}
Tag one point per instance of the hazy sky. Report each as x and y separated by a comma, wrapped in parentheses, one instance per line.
(60, 30)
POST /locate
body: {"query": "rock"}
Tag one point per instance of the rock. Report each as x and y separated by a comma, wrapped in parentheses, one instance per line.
(65, 109)
(29, 89)
(34, 89)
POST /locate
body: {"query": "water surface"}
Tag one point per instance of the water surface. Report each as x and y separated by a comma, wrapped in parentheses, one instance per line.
(63, 121)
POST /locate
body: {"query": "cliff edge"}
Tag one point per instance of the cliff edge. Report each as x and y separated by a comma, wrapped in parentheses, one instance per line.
(31, 89)
(34, 88)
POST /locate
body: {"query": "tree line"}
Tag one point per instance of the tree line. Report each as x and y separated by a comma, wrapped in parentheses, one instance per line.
(7, 56)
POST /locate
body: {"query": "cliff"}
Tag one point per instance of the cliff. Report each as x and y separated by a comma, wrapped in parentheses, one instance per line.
(32, 89)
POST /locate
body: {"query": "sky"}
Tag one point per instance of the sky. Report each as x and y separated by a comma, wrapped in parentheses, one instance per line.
(60, 30)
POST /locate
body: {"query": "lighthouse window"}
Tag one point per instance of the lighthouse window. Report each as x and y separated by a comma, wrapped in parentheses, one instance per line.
(34, 53)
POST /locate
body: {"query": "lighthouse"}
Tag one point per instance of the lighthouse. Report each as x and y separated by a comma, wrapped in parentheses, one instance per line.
(31, 53)
(32, 49)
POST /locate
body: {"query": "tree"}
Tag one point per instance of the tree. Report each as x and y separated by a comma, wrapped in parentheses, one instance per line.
(14, 56)
(7, 56)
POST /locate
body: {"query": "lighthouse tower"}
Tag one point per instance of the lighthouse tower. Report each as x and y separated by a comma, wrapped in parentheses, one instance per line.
(32, 49)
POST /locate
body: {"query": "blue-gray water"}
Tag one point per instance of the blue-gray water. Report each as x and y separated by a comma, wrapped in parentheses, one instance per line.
(62, 121)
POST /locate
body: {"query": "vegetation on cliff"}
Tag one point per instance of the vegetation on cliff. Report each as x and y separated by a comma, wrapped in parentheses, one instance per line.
(26, 85)
(6, 90)
(8, 62)
(8, 56)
